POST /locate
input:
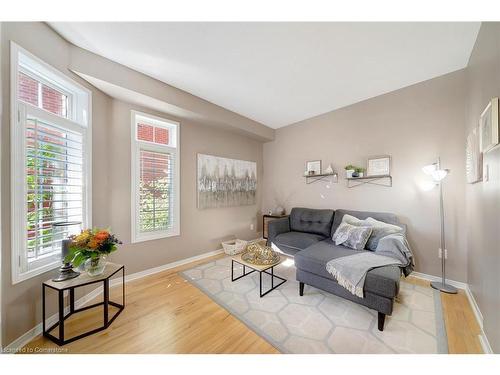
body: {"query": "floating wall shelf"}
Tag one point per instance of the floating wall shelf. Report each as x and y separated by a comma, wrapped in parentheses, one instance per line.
(382, 180)
(322, 177)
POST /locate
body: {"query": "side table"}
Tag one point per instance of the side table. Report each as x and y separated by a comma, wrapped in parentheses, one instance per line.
(265, 223)
(70, 285)
(260, 269)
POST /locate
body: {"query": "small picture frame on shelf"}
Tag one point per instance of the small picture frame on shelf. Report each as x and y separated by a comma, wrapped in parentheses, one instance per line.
(313, 168)
(379, 166)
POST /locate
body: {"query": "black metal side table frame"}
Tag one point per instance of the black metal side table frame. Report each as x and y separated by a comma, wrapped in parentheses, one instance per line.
(273, 276)
(62, 317)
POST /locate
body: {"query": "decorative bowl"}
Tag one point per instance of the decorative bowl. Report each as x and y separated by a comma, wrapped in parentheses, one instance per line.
(260, 255)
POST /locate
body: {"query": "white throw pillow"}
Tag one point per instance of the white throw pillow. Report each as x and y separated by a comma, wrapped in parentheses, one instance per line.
(349, 219)
(352, 236)
(380, 230)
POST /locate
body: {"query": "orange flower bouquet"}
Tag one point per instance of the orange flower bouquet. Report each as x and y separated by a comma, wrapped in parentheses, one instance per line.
(91, 247)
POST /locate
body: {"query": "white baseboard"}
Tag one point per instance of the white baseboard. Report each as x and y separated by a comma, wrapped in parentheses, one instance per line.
(23, 340)
(485, 345)
(424, 276)
(152, 271)
(475, 307)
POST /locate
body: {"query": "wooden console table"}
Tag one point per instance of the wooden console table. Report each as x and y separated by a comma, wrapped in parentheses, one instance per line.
(70, 285)
(265, 221)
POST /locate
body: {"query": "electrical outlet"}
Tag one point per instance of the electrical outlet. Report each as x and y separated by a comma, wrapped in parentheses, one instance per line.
(445, 254)
(252, 226)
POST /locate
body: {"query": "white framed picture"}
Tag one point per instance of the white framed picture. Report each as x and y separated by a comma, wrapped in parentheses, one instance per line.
(379, 166)
(313, 167)
(489, 126)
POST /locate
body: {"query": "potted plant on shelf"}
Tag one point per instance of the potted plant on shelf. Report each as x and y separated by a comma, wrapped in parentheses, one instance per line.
(91, 248)
(360, 172)
(349, 170)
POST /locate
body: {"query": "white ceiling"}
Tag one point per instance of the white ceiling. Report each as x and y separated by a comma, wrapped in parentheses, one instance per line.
(281, 73)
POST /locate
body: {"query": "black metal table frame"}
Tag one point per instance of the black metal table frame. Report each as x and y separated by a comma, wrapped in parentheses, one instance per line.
(106, 302)
(273, 276)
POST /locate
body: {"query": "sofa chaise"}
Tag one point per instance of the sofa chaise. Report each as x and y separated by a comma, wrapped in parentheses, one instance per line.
(306, 234)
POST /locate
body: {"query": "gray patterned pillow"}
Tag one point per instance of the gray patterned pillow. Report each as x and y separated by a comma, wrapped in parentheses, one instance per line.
(352, 236)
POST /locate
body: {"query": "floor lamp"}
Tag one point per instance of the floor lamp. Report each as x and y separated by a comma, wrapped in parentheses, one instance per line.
(438, 175)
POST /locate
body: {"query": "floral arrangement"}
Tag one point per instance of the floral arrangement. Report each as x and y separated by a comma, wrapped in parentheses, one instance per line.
(91, 244)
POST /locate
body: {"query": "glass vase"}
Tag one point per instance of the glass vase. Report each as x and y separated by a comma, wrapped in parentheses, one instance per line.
(95, 266)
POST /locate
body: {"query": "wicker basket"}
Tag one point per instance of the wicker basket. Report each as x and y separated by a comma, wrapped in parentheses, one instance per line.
(233, 247)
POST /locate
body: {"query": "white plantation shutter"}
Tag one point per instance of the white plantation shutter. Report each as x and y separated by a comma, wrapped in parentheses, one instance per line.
(54, 186)
(155, 178)
(156, 191)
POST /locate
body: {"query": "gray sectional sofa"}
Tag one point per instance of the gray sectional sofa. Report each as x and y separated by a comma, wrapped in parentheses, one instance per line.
(306, 234)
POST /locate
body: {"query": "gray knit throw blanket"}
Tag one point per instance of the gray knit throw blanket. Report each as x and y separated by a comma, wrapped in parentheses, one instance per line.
(350, 271)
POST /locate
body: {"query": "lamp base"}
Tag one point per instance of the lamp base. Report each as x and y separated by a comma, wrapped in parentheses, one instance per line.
(443, 287)
(65, 273)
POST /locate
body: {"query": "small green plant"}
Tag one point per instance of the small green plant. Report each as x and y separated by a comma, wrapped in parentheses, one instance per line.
(359, 169)
(350, 166)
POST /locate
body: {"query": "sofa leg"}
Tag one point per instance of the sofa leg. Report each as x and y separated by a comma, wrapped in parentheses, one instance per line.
(381, 320)
(301, 289)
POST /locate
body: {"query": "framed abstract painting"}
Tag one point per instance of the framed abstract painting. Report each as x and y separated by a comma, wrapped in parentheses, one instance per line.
(224, 182)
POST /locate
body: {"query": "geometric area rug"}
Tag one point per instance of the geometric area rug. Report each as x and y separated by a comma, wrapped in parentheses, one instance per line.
(320, 322)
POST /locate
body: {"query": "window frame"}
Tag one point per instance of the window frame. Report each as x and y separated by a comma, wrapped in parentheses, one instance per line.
(52, 85)
(78, 118)
(138, 145)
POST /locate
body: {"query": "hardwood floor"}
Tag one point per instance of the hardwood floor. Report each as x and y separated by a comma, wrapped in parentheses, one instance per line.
(166, 314)
(462, 328)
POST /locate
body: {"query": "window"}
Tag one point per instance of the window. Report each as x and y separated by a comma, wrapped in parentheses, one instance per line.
(50, 162)
(155, 178)
(34, 92)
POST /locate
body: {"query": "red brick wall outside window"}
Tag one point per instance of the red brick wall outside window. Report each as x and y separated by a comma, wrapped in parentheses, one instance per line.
(152, 133)
(52, 100)
(28, 89)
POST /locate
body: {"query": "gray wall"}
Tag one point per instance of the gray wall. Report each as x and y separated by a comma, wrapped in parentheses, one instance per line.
(483, 199)
(414, 125)
(201, 231)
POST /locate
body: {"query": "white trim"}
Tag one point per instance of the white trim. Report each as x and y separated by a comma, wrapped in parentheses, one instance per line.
(80, 122)
(485, 344)
(483, 339)
(136, 145)
(424, 276)
(37, 330)
(475, 307)
(48, 73)
(168, 266)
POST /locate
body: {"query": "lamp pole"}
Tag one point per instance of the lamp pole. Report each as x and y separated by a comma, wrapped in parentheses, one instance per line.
(442, 286)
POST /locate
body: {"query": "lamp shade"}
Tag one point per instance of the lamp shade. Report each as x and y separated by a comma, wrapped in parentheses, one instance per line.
(435, 172)
(429, 169)
(439, 174)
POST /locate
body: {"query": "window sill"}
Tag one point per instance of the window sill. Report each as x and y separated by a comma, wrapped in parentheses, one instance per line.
(154, 236)
(19, 277)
